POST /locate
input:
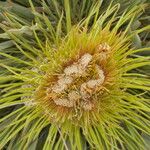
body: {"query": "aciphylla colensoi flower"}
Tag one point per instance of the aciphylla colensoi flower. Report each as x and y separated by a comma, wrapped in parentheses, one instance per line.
(73, 86)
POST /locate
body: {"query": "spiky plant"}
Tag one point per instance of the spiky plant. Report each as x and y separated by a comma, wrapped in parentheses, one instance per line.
(68, 85)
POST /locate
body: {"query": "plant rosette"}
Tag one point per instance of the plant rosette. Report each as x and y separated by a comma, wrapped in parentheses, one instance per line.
(78, 80)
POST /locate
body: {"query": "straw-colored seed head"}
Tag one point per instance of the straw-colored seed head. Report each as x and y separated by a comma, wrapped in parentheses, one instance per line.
(74, 96)
(92, 83)
(87, 106)
(74, 69)
(75, 90)
(62, 84)
(85, 59)
(64, 102)
(79, 67)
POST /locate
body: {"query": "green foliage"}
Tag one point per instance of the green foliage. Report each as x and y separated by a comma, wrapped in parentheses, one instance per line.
(31, 51)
